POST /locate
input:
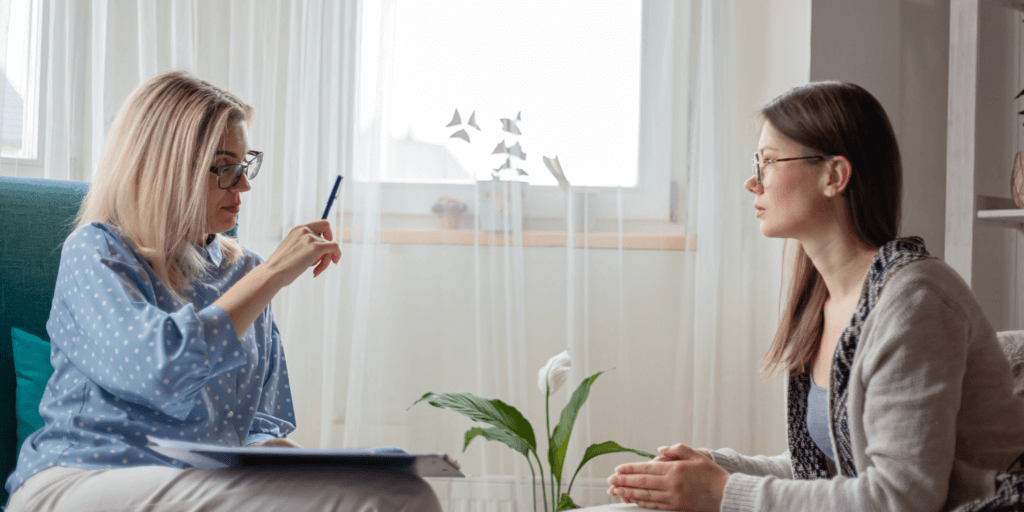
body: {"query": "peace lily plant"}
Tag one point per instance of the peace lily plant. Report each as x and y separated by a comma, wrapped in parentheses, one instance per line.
(510, 427)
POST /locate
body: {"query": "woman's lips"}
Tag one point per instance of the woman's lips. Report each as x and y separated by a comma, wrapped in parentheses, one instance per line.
(233, 208)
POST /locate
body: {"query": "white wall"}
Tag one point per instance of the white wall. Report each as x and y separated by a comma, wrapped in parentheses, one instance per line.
(898, 51)
(773, 56)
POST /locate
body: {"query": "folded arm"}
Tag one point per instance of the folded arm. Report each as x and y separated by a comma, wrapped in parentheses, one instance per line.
(107, 321)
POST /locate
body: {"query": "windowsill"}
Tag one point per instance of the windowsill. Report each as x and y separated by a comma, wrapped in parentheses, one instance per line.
(629, 241)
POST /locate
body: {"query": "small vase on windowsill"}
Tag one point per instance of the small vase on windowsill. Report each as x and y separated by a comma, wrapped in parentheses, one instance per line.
(495, 198)
(449, 211)
(450, 221)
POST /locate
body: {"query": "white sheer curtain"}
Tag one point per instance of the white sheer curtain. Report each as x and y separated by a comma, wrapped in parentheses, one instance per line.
(679, 333)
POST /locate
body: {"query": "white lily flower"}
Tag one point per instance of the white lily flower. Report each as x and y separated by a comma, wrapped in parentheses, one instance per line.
(553, 375)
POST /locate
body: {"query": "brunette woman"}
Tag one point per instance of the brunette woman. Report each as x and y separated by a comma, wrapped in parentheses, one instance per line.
(899, 396)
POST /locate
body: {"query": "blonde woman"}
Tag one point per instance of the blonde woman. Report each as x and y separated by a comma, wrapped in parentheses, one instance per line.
(162, 327)
(899, 396)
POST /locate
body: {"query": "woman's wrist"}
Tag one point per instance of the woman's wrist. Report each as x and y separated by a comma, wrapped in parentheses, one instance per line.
(268, 278)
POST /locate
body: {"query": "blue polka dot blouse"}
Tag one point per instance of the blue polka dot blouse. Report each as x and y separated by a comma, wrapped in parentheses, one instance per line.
(132, 361)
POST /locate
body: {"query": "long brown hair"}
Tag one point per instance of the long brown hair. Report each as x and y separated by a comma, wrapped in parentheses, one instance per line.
(835, 119)
(152, 178)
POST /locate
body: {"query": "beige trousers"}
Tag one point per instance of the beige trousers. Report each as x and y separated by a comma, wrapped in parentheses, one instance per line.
(163, 489)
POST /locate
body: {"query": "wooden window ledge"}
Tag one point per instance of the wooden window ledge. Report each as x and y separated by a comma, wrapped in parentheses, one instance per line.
(632, 241)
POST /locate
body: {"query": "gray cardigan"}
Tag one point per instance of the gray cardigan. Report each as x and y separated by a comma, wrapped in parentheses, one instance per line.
(932, 415)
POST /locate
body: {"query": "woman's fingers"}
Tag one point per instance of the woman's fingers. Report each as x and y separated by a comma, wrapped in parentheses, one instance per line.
(640, 468)
(651, 481)
(325, 230)
(325, 261)
(320, 228)
(333, 255)
(278, 441)
(611, 492)
(321, 265)
(639, 496)
(679, 451)
(665, 455)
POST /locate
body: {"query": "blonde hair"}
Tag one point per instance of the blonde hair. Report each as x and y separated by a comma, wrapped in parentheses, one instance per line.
(835, 119)
(152, 179)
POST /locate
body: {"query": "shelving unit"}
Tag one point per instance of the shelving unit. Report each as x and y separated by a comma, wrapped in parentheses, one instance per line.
(1009, 218)
(1000, 210)
(1013, 4)
(963, 205)
(960, 135)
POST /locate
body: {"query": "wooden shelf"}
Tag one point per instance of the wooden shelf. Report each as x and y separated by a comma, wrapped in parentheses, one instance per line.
(1009, 217)
(1012, 4)
(630, 241)
(1000, 210)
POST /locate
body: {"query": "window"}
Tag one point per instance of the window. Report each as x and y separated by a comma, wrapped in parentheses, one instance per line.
(589, 82)
(571, 69)
(20, 120)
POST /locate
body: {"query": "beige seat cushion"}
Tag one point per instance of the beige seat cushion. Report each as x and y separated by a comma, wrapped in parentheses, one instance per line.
(1013, 347)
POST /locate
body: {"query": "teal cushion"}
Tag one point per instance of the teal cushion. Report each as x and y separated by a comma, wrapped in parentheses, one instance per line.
(32, 369)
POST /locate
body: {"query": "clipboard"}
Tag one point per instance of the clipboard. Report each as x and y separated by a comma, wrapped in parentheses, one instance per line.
(208, 456)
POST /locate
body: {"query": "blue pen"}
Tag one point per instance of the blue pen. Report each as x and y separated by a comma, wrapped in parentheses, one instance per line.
(334, 194)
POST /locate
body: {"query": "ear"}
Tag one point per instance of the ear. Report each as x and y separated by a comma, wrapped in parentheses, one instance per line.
(838, 177)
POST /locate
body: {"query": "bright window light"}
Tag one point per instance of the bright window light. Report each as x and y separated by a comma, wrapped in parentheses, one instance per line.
(571, 68)
(21, 77)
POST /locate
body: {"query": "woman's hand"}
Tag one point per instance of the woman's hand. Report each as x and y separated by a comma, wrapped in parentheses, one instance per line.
(305, 246)
(681, 478)
(278, 441)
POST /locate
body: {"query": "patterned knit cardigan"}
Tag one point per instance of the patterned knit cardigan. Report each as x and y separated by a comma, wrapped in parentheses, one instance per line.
(808, 461)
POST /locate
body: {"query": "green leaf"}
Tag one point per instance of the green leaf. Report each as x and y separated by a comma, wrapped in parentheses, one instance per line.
(501, 435)
(566, 503)
(602, 449)
(560, 438)
(493, 412)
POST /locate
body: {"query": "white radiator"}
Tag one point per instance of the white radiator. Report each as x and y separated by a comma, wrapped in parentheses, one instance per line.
(509, 494)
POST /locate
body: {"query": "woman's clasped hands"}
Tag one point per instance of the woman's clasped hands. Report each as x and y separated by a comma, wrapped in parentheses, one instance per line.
(680, 478)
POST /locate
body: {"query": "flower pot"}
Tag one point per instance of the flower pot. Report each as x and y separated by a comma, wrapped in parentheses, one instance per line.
(449, 211)
(449, 221)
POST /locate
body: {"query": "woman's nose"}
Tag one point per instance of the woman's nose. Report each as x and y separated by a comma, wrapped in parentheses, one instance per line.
(751, 184)
(243, 184)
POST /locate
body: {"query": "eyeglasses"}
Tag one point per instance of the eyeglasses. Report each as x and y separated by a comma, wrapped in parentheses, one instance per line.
(228, 175)
(756, 163)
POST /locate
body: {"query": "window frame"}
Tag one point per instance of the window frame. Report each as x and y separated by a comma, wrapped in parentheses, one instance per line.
(33, 127)
(650, 199)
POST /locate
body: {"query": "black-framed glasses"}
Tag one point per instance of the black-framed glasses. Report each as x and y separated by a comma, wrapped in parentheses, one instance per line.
(756, 162)
(228, 175)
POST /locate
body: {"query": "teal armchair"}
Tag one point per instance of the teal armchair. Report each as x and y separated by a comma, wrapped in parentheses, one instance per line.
(35, 217)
